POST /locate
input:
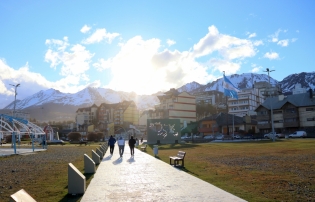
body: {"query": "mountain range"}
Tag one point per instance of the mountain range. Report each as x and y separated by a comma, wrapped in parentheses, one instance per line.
(54, 105)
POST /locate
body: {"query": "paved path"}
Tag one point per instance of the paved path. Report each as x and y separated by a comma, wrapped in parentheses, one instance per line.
(6, 150)
(145, 178)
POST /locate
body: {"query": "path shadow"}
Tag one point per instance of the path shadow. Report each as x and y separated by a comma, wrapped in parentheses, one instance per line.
(131, 160)
(117, 161)
(72, 198)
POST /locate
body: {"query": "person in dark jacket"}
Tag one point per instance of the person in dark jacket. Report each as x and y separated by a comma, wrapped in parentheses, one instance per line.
(132, 143)
(111, 144)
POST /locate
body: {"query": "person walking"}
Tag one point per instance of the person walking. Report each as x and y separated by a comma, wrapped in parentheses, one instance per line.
(132, 143)
(137, 142)
(111, 144)
(121, 145)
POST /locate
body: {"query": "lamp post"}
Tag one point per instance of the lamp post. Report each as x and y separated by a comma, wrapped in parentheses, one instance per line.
(271, 109)
(15, 93)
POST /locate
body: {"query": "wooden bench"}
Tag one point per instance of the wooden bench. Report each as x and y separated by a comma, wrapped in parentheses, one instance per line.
(144, 148)
(176, 159)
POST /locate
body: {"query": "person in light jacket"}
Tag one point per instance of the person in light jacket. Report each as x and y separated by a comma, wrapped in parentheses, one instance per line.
(111, 144)
(121, 145)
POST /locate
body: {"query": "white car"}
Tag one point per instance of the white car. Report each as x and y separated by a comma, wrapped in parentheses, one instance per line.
(208, 137)
(298, 134)
(271, 135)
(236, 136)
(219, 137)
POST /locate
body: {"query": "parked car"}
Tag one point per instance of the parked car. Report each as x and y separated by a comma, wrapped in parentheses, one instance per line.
(184, 137)
(54, 142)
(208, 137)
(236, 136)
(197, 136)
(248, 136)
(219, 137)
(271, 135)
(298, 134)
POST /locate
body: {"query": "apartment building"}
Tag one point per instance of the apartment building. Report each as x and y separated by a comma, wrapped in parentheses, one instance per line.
(85, 116)
(107, 115)
(175, 105)
(209, 97)
(248, 100)
(289, 113)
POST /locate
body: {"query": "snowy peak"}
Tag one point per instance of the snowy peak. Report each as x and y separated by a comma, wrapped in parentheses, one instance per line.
(307, 80)
(189, 87)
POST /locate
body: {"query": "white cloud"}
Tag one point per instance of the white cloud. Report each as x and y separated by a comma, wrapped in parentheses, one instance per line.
(258, 43)
(275, 37)
(73, 62)
(283, 43)
(294, 40)
(271, 55)
(170, 42)
(223, 65)
(100, 35)
(255, 68)
(140, 67)
(85, 29)
(251, 35)
(230, 47)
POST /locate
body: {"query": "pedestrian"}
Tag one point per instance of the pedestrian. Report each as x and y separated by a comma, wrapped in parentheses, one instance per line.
(137, 142)
(111, 144)
(141, 139)
(132, 143)
(121, 145)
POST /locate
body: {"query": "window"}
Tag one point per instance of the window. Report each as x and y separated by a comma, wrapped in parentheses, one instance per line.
(277, 112)
(278, 121)
(310, 119)
(290, 110)
(263, 112)
(310, 109)
(290, 120)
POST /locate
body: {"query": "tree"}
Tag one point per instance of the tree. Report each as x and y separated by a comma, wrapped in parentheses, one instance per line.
(74, 136)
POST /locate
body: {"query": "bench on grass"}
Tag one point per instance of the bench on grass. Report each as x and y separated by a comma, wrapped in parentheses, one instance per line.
(176, 159)
(144, 148)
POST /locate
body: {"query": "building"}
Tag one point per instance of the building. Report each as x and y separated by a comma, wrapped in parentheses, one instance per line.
(85, 117)
(119, 113)
(209, 97)
(247, 102)
(107, 117)
(219, 123)
(175, 105)
(289, 113)
(298, 89)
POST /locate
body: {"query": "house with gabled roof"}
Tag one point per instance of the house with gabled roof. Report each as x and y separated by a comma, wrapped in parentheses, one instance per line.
(289, 113)
(222, 122)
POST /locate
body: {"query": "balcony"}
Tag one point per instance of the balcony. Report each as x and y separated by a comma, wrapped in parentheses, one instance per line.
(264, 126)
(291, 124)
(290, 115)
(262, 117)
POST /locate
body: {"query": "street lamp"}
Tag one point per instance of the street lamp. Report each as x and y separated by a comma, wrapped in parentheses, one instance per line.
(15, 86)
(271, 109)
(268, 70)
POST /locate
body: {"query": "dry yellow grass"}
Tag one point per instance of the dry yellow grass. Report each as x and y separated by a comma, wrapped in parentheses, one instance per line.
(254, 171)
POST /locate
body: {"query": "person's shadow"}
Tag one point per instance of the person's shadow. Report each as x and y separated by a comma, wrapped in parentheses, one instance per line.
(131, 160)
(117, 161)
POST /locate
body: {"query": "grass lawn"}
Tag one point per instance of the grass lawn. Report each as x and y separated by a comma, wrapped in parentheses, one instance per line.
(43, 175)
(255, 171)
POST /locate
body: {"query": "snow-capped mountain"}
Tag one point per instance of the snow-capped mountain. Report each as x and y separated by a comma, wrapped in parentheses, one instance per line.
(59, 104)
(307, 80)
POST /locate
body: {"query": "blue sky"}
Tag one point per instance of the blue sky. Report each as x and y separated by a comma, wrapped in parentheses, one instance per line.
(149, 46)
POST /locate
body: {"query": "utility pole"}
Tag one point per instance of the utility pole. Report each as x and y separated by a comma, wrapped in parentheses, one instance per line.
(271, 109)
(15, 93)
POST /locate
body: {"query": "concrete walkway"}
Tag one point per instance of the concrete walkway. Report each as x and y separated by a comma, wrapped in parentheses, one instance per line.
(145, 178)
